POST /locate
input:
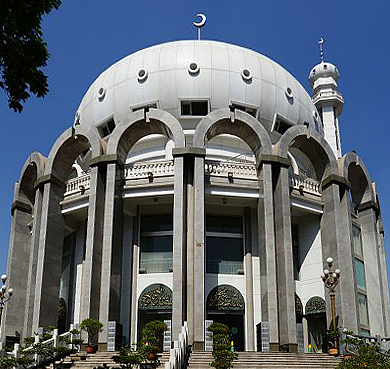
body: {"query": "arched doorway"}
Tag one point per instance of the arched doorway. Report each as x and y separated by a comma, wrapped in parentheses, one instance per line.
(315, 313)
(155, 303)
(226, 305)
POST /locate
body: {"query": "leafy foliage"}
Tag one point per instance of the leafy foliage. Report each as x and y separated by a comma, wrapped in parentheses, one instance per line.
(222, 354)
(92, 327)
(23, 51)
(128, 357)
(152, 335)
(367, 355)
(74, 340)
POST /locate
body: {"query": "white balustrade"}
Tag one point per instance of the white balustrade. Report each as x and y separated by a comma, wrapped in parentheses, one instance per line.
(238, 170)
(304, 184)
(78, 184)
(143, 170)
(178, 354)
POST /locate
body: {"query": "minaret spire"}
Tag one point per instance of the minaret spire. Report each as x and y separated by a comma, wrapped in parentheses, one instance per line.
(327, 99)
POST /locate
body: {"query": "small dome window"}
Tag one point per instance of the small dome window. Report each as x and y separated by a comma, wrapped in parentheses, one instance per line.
(289, 93)
(193, 68)
(246, 75)
(101, 93)
(142, 75)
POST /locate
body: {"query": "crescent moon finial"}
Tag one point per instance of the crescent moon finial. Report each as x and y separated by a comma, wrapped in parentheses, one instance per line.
(200, 24)
(320, 42)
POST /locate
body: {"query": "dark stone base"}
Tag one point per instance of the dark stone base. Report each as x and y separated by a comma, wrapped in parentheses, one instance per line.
(289, 347)
(274, 347)
(198, 346)
(102, 346)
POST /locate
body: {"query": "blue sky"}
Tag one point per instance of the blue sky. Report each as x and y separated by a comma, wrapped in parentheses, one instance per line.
(86, 37)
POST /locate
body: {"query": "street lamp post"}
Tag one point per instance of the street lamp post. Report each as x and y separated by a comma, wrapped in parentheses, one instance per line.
(331, 279)
(5, 294)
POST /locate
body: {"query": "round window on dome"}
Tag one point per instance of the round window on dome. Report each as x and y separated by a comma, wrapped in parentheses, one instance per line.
(142, 75)
(246, 75)
(101, 93)
(288, 92)
(193, 68)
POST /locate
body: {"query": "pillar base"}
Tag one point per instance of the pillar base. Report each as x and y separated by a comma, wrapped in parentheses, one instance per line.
(289, 347)
(102, 346)
(198, 346)
(274, 347)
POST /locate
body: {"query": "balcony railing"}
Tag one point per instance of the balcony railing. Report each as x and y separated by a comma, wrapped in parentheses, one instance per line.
(238, 170)
(304, 184)
(212, 168)
(143, 170)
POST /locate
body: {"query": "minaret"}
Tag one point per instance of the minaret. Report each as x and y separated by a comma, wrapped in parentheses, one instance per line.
(327, 99)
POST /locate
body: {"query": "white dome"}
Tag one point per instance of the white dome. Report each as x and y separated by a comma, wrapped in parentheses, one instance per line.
(214, 71)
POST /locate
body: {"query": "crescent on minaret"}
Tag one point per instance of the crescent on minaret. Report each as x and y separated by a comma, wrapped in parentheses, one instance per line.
(202, 21)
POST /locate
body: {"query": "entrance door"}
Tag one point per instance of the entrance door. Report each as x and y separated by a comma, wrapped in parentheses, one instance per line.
(225, 305)
(316, 323)
(235, 321)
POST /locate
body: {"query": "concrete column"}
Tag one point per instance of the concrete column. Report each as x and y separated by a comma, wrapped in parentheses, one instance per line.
(385, 284)
(93, 246)
(199, 255)
(269, 305)
(249, 310)
(17, 267)
(376, 308)
(111, 266)
(126, 289)
(346, 255)
(51, 239)
(305, 335)
(78, 272)
(190, 247)
(134, 295)
(284, 258)
(179, 252)
(32, 266)
(331, 236)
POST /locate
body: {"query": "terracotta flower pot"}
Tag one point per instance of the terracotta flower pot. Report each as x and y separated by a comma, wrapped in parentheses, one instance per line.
(333, 351)
(89, 349)
(152, 356)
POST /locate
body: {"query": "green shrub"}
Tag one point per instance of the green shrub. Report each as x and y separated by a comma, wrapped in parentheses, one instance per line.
(152, 335)
(128, 357)
(92, 327)
(222, 354)
(368, 355)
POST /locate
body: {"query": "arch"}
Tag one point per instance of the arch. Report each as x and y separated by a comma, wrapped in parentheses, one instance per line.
(355, 172)
(315, 305)
(68, 146)
(225, 297)
(136, 127)
(313, 145)
(155, 297)
(298, 306)
(32, 169)
(244, 126)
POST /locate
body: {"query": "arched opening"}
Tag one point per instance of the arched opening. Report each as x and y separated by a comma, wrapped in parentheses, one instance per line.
(225, 304)
(155, 303)
(315, 314)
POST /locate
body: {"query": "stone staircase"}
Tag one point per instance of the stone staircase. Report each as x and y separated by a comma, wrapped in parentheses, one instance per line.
(98, 359)
(251, 360)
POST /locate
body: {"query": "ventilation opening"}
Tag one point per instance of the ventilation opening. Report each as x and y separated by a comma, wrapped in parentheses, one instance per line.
(150, 106)
(106, 128)
(195, 108)
(246, 109)
(281, 126)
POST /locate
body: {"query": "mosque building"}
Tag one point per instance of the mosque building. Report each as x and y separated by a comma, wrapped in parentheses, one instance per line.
(199, 182)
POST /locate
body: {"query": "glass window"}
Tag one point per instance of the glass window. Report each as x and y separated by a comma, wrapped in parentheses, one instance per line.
(357, 241)
(156, 243)
(363, 309)
(224, 244)
(215, 223)
(360, 274)
(195, 108)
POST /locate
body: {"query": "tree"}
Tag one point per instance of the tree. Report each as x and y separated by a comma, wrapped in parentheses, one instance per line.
(22, 50)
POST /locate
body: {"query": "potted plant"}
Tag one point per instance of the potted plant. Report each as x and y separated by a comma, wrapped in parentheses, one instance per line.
(92, 327)
(128, 357)
(152, 336)
(333, 337)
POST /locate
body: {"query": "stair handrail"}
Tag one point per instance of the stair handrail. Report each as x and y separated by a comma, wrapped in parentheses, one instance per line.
(53, 341)
(178, 355)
